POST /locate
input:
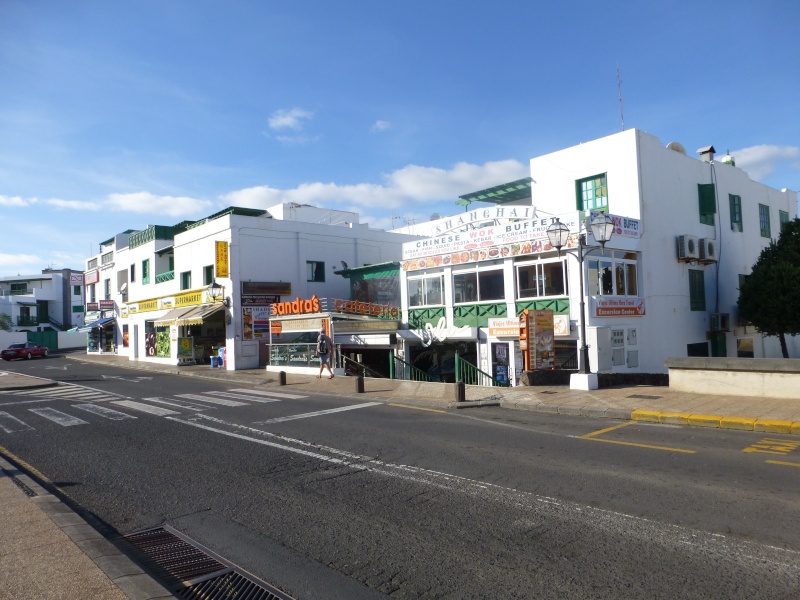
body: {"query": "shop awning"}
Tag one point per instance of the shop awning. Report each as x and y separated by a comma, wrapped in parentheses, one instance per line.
(199, 313)
(96, 324)
(172, 316)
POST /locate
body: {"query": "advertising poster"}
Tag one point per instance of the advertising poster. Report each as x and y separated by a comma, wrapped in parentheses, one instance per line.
(255, 322)
(185, 348)
(543, 339)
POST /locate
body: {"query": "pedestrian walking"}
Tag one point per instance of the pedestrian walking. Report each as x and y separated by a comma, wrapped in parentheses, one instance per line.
(324, 349)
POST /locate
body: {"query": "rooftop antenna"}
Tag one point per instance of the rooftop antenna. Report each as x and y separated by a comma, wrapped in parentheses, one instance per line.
(619, 93)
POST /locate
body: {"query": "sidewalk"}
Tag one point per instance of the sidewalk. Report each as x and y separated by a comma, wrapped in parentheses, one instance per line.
(48, 551)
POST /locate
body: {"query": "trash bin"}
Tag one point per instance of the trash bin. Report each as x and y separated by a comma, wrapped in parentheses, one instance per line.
(216, 362)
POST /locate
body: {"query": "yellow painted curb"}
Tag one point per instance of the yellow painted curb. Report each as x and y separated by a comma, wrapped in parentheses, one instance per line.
(737, 423)
(773, 426)
(704, 420)
(796, 428)
(673, 418)
(650, 416)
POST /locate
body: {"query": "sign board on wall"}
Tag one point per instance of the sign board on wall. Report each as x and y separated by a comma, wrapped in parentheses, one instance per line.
(221, 262)
(91, 277)
(618, 307)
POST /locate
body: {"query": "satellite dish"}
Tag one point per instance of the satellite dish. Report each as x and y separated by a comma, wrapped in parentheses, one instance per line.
(677, 147)
(435, 216)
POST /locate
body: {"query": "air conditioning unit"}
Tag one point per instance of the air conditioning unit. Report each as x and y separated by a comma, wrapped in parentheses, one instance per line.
(720, 322)
(688, 248)
(707, 250)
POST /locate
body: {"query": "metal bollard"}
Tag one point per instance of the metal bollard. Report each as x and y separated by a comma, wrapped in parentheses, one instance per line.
(282, 378)
(360, 384)
(460, 391)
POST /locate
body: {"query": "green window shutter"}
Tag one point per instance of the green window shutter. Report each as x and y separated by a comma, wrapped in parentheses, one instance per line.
(697, 290)
(708, 202)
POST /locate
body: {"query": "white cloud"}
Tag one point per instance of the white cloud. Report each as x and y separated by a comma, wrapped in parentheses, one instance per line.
(761, 161)
(407, 186)
(73, 204)
(18, 260)
(145, 202)
(379, 126)
(16, 201)
(291, 118)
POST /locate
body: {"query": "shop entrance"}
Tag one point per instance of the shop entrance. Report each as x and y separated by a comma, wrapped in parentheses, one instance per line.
(439, 359)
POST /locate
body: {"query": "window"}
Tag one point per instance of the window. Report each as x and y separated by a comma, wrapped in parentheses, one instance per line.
(186, 280)
(93, 293)
(146, 271)
(736, 212)
(707, 193)
(315, 271)
(208, 274)
(424, 291)
(107, 258)
(133, 273)
(76, 290)
(92, 264)
(171, 263)
(478, 285)
(615, 274)
(541, 279)
(592, 193)
(107, 289)
(763, 220)
(783, 217)
(19, 288)
(697, 290)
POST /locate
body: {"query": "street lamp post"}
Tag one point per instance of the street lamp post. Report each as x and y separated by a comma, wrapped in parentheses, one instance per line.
(602, 227)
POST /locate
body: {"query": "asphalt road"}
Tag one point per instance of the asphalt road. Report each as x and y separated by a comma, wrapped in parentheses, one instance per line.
(336, 497)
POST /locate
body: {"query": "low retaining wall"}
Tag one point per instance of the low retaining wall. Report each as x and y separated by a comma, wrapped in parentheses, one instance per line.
(550, 377)
(755, 377)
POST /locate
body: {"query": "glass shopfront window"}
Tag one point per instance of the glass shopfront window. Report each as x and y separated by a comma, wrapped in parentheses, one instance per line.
(426, 291)
(478, 285)
(615, 274)
(537, 279)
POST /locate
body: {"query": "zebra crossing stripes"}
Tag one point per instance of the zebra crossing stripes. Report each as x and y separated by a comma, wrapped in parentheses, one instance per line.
(58, 417)
(69, 392)
(266, 393)
(219, 401)
(103, 411)
(243, 397)
(147, 408)
(10, 423)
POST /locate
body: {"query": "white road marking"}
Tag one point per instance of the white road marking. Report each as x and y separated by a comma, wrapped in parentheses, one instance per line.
(56, 416)
(706, 544)
(177, 403)
(103, 411)
(146, 408)
(317, 413)
(211, 400)
(243, 397)
(10, 424)
(276, 394)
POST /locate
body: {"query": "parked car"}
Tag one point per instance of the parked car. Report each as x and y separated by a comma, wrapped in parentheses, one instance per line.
(24, 350)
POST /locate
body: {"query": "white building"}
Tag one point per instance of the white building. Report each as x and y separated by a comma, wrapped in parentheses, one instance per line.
(152, 287)
(666, 285)
(51, 300)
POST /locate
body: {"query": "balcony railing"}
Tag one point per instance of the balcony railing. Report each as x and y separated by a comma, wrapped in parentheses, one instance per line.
(27, 321)
(165, 276)
(20, 292)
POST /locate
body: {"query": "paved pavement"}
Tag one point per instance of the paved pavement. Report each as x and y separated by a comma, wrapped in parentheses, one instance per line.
(49, 551)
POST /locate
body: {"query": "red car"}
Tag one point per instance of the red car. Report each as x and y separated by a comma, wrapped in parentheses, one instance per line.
(25, 350)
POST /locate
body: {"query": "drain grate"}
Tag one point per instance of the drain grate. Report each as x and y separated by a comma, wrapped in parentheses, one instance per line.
(644, 397)
(548, 392)
(192, 571)
(28, 491)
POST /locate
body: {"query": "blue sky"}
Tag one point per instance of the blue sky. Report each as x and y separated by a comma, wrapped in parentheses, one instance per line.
(118, 115)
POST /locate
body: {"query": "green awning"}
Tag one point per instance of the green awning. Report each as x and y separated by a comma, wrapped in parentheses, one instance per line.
(512, 191)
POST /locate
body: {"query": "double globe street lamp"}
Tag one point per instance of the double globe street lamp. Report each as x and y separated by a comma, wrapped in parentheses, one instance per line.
(602, 227)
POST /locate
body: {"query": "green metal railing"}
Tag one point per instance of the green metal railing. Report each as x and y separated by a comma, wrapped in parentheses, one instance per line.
(472, 375)
(352, 366)
(400, 369)
(27, 321)
(165, 276)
